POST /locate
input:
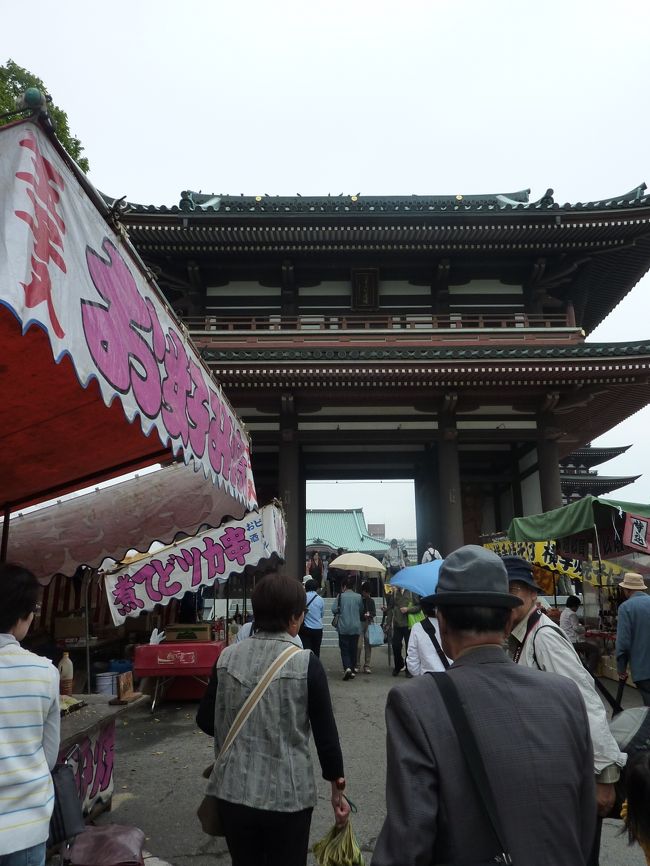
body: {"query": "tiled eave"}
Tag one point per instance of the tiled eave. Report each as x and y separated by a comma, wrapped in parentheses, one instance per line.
(602, 482)
(590, 456)
(561, 234)
(629, 354)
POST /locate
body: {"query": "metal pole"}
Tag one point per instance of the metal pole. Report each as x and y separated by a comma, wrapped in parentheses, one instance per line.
(5, 533)
(88, 576)
(600, 569)
(227, 610)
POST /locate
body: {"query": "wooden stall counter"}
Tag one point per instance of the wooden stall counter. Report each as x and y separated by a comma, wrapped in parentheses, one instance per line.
(88, 738)
(181, 668)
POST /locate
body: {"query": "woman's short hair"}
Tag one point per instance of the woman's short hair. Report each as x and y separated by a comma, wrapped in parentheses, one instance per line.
(276, 599)
(311, 585)
(365, 586)
(19, 591)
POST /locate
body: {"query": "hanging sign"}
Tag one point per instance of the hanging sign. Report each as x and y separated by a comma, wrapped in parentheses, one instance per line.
(66, 270)
(636, 532)
(545, 555)
(201, 560)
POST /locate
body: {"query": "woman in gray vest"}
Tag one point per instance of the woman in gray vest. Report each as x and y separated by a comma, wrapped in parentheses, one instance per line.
(265, 783)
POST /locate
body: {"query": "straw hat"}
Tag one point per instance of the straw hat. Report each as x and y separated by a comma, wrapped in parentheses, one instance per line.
(632, 580)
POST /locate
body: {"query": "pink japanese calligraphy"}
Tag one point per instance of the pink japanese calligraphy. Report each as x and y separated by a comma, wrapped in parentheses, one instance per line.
(202, 559)
(136, 355)
(44, 187)
(93, 766)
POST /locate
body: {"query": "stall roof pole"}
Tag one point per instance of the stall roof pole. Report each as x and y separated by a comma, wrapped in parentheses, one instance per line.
(600, 569)
(5, 533)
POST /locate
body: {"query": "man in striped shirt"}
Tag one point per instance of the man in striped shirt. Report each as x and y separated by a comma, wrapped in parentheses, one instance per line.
(29, 726)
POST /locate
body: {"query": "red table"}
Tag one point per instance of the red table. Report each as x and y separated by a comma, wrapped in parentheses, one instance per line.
(182, 669)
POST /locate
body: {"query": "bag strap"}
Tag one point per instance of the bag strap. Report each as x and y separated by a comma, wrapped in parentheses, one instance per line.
(473, 759)
(255, 696)
(556, 629)
(311, 599)
(430, 630)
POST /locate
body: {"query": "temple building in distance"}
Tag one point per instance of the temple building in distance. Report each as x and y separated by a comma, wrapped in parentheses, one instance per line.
(578, 478)
(439, 338)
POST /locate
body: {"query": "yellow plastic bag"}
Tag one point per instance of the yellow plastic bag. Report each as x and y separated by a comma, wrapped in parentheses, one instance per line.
(338, 848)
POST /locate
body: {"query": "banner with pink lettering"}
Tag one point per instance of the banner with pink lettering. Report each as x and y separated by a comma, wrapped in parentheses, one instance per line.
(64, 268)
(194, 562)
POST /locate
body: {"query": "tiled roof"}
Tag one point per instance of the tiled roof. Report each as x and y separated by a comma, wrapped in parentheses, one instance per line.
(575, 352)
(599, 483)
(344, 528)
(196, 203)
(593, 455)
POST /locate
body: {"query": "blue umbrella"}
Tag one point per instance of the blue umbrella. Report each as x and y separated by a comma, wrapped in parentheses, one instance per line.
(420, 579)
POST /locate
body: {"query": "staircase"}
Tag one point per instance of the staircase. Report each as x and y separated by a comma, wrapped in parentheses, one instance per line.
(330, 635)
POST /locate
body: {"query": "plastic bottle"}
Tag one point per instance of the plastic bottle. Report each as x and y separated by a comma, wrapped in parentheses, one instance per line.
(66, 675)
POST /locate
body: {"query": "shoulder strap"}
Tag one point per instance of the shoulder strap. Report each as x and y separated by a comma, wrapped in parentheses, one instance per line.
(473, 759)
(255, 696)
(555, 628)
(311, 599)
(430, 630)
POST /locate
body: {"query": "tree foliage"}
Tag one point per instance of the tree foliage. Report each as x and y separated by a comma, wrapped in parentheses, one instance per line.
(14, 81)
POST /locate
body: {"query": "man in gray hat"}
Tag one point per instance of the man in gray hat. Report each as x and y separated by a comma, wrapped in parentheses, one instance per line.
(536, 642)
(531, 730)
(633, 634)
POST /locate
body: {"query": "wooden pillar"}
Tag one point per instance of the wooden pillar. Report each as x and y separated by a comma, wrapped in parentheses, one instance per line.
(427, 511)
(451, 509)
(289, 479)
(289, 291)
(548, 462)
(515, 480)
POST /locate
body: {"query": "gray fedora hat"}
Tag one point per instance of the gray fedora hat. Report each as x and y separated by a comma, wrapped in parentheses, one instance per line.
(473, 575)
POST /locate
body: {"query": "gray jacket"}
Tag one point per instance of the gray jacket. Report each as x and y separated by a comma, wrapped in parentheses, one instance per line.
(533, 733)
(349, 607)
(269, 764)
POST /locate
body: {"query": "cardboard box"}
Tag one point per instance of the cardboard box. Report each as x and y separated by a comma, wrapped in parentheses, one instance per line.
(201, 631)
(69, 627)
(142, 625)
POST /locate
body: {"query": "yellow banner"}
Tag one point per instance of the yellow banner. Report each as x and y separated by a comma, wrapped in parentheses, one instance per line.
(544, 555)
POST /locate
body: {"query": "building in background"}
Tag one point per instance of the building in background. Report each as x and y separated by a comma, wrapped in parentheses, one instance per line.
(441, 338)
(329, 529)
(578, 478)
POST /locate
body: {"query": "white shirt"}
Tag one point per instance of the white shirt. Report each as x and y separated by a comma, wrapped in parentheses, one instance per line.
(422, 656)
(430, 554)
(244, 632)
(570, 625)
(29, 745)
(554, 653)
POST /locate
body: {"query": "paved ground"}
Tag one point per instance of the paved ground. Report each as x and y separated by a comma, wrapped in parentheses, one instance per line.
(160, 758)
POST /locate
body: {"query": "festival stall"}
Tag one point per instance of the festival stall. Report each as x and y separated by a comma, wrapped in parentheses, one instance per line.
(98, 377)
(594, 541)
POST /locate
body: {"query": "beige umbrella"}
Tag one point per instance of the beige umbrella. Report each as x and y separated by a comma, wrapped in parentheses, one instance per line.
(357, 562)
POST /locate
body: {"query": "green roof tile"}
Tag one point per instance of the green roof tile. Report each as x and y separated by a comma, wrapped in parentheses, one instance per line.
(342, 527)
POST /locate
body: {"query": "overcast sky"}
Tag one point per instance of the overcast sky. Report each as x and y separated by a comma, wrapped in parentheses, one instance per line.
(421, 96)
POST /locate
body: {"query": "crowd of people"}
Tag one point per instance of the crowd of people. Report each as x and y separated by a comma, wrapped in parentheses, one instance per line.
(506, 743)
